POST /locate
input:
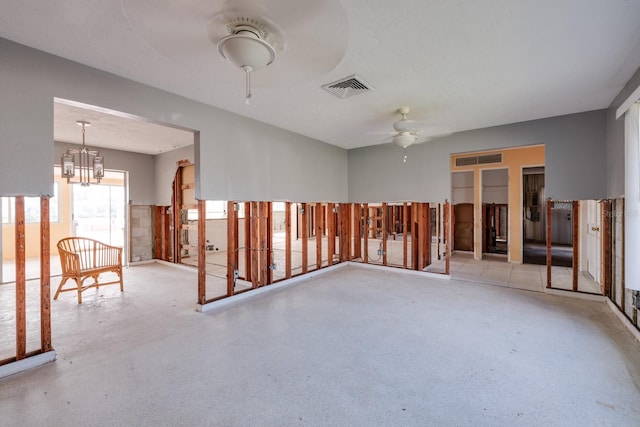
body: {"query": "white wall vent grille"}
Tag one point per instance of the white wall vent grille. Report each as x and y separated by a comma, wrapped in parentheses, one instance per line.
(467, 161)
(479, 160)
(490, 158)
(348, 86)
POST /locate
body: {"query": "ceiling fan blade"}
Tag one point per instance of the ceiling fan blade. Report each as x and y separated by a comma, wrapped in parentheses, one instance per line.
(430, 138)
(436, 131)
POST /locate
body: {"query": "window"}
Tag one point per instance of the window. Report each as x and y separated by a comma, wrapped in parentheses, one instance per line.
(31, 208)
(215, 209)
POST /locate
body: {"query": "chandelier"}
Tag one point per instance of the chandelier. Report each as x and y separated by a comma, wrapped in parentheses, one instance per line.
(87, 160)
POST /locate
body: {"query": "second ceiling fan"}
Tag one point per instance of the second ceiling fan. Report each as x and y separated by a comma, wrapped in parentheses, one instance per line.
(409, 132)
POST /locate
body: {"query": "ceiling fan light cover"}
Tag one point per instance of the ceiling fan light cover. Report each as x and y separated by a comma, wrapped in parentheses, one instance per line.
(404, 140)
(246, 49)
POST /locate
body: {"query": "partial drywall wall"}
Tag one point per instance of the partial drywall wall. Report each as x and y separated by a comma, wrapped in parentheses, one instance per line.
(575, 160)
(238, 158)
(166, 165)
(615, 140)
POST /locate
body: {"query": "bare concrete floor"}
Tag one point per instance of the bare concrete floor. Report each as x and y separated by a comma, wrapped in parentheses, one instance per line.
(348, 348)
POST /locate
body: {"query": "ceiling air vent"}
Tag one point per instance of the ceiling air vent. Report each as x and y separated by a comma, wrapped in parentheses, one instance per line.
(467, 161)
(490, 158)
(348, 86)
(479, 160)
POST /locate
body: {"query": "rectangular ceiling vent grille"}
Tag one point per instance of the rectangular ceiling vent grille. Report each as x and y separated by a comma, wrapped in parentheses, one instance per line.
(348, 86)
(490, 158)
(479, 160)
(467, 161)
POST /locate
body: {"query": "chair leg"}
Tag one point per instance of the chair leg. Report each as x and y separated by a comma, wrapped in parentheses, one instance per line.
(62, 282)
(79, 283)
(121, 283)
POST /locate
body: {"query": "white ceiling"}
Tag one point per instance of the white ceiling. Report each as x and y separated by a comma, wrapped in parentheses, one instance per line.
(465, 63)
(114, 130)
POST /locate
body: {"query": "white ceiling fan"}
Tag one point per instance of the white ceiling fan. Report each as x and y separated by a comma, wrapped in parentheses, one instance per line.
(409, 132)
(283, 42)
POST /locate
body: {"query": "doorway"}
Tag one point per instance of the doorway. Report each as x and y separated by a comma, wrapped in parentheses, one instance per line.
(495, 207)
(463, 227)
(534, 224)
(495, 221)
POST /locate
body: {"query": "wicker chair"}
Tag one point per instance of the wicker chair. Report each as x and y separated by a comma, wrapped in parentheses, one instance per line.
(83, 258)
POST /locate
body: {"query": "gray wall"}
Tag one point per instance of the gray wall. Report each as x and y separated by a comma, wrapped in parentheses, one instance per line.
(575, 150)
(615, 140)
(139, 166)
(241, 159)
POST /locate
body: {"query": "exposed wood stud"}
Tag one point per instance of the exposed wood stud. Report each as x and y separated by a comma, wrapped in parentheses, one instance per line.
(365, 233)
(255, 244)
(426, 234)
(576, 242)
(357, 231)
(420, 240)
(21, 306)
(607, 253)
(305, 237)
(247, 242)
(331, 232)
(319, 213)
(232, 246)
(549, 254)
(202, 251)
(384, 234)
(287, 243)
(167, 233)
(438, 230)
(447, 237)
(45, 276)
(263, 244)
(415, 235)
(404, 235)
(236, 234)
(345, 235)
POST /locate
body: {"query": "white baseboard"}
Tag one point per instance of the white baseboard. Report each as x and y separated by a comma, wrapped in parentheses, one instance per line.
(571, 294)
(203, 308)
(400, 270)
(28, 363)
